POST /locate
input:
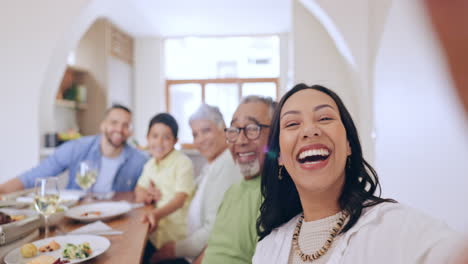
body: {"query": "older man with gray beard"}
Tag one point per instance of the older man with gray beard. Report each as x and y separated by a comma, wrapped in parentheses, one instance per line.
(234, 236)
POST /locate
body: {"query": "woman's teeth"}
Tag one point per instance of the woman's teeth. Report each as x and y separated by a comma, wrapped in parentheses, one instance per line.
(313, 155)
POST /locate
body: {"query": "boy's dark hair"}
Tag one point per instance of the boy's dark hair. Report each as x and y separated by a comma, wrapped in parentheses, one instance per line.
(166, 119)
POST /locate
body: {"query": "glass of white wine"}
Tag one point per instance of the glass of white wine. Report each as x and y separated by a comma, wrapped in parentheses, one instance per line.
(86, 176)
(46, 198)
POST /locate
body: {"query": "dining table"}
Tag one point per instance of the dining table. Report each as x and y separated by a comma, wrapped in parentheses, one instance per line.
(125, 248)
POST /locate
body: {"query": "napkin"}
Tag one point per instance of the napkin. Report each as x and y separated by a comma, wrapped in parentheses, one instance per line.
(96, 228)
(136, 205)
(104, 196)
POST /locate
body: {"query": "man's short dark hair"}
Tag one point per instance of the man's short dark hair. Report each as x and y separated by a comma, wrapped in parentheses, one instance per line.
(118, 106)
(166, 119)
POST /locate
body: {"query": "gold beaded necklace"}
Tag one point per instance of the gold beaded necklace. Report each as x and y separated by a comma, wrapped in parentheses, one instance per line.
(317, 254)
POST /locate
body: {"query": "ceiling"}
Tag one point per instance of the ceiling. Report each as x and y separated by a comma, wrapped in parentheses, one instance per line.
(173, 18)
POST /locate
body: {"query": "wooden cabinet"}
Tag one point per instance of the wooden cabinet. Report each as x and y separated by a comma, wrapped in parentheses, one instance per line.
(72, 92)
(82, 109)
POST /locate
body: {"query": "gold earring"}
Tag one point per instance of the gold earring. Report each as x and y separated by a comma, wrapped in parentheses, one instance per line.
(280, 174)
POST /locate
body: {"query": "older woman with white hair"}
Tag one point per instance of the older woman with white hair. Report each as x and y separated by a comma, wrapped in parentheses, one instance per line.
(216, 177)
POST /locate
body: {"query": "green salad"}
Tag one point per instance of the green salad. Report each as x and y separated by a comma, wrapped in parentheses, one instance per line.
(72, 251)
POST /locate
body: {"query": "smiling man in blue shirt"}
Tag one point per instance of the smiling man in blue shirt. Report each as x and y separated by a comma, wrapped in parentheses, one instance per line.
(119, 164)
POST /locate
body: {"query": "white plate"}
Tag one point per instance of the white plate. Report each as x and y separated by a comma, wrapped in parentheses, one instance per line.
(108, 210)
(98, 246)
(67, 197)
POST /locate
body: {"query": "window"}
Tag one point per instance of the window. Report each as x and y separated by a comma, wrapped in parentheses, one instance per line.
(218, 71)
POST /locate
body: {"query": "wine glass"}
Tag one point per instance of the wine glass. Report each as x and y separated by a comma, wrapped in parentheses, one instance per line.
(86, 176)
(46, 198)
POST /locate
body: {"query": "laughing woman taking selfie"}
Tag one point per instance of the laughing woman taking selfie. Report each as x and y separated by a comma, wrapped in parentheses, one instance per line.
(321, 198)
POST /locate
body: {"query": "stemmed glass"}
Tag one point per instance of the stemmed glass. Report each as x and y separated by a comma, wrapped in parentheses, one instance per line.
(86, 176)
(46, 199)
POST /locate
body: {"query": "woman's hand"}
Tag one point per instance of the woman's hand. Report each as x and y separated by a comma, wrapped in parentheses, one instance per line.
(167, 251)
(152, 218)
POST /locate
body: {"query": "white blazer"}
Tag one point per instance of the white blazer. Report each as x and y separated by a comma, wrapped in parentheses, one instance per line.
(385, 233)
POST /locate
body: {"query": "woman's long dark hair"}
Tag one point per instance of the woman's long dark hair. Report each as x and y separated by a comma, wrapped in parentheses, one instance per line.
(280, 197)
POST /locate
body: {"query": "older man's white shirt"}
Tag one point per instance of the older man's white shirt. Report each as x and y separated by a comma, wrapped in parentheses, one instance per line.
(215, 178)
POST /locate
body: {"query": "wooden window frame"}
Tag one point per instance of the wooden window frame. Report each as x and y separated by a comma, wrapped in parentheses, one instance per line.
(204, 82)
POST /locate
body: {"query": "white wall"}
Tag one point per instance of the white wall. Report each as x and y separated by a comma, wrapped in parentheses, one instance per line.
(316, 58)
(286, 72)
(355, 28)
(120, 82)
(351, 31)
(28, 40)
(149, 85)
(68, 40)
(39, 37)
(117, 11)
(422, 148)
(422, 141)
